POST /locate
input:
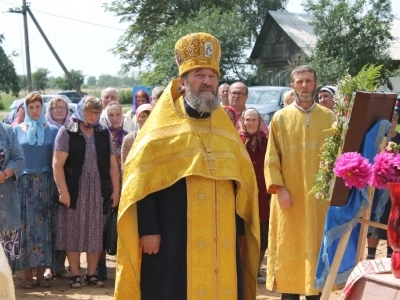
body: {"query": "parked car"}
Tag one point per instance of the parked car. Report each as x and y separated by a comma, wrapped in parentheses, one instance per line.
(47, 98)
(266, 99)
(72, 95)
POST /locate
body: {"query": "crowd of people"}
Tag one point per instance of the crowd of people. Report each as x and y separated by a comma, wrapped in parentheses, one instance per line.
(60, 174)
(204, 188)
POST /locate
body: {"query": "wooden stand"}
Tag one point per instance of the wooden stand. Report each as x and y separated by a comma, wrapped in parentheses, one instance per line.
(368, 108)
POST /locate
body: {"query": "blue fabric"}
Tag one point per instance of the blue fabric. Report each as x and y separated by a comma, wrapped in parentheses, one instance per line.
(341, 219)
(381, 197)
(12, 158)
(35, 127)
(38, 159)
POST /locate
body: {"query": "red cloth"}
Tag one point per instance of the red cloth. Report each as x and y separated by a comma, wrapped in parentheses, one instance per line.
(257, 158)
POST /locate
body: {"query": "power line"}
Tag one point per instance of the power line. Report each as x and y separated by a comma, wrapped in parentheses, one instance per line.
(10, 3)
(67, 18)
(71, 19)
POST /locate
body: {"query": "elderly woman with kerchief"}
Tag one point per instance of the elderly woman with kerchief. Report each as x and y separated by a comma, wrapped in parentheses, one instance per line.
(255, 141)
(57, 112)
(142, 113)
(36, 187)
(114, 120)
(140, 98)
(11, 167)
(87, 178)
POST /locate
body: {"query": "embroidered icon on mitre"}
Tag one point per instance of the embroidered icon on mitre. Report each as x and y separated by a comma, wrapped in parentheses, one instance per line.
(178, 57)
(208, 49)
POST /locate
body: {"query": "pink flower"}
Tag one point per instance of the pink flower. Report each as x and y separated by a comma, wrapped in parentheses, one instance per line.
(384, 169)
(354, 169)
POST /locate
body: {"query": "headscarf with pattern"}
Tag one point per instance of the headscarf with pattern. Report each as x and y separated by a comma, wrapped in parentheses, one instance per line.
(120, 130)
(79, 116)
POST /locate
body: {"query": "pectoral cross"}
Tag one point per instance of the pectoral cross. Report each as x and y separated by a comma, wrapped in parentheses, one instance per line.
(210, 160)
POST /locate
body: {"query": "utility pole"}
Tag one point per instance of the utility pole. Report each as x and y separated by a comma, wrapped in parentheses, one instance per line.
(22, 11)
(69, 77)
(25, 9)
(27, 56)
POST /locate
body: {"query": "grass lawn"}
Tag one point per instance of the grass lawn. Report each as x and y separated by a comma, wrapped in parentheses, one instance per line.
(8, 99)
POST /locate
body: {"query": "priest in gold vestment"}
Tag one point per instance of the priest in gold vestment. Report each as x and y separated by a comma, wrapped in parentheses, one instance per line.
(297, 218)
(188, 215)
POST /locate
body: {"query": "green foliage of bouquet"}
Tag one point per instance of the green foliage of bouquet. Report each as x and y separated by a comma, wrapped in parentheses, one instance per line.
(366, 80)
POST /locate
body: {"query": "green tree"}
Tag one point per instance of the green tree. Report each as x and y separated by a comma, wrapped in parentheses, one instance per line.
(63, 82)
(23, 82)
(91, 81)
(9, 80)
(350, 35)
(108, 80)
(234, 59)
(51, 83)
(151, 20)
(40, 79)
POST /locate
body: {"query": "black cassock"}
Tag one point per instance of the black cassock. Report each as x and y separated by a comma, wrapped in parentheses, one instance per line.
(163, 275)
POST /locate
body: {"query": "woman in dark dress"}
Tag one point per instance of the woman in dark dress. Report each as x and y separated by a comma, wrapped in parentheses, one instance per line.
(255, 141)
(84, 167)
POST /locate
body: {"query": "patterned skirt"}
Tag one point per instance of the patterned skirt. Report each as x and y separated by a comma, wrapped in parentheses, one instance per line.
(38, 216)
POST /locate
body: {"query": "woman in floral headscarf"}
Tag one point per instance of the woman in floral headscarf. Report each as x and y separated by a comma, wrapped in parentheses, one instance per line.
(255, 141)
(140, 97)
(87, 178)
(36, 187)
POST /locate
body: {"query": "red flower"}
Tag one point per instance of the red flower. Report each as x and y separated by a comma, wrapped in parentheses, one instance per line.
(354, 169)
(385, 169)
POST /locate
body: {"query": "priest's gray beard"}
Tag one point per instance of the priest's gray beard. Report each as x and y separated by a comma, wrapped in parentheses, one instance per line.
(202, 101)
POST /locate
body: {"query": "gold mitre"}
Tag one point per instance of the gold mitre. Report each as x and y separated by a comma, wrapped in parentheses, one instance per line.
(197, 50)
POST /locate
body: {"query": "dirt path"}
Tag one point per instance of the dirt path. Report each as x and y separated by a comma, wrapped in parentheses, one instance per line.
(60, 288)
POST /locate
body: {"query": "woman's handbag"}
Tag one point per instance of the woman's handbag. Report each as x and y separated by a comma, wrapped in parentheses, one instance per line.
(110, 235)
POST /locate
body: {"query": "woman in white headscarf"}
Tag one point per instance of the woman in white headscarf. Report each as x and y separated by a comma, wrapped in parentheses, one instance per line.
(114, 120)
(142, 113)
(57, 112)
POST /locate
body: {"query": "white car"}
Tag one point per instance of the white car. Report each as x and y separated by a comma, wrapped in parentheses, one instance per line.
(47, 98)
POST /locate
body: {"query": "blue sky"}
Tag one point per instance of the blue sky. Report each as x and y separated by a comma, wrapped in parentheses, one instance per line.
(81, 46)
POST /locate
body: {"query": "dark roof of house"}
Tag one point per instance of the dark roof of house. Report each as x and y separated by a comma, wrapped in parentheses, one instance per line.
(297, 26)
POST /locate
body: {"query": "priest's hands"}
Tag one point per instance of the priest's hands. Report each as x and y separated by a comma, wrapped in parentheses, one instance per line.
(284, 198)
(150, 243)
